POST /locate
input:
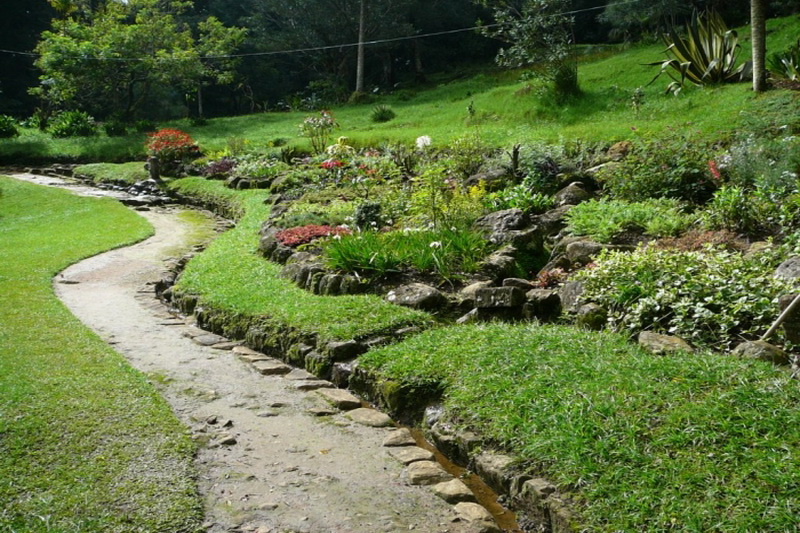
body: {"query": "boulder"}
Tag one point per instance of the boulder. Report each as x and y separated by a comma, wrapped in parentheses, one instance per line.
(542, 304)
(417, 296)
(502, 221)
(659, 344)
(789, 269)
(591, 316)
(619, 151)
(570, 295)
(763, 351)
(499, 297)
(551, 222)
(520, 283)
(500, 264)
(493, 179)
(791, 324)
(582, 252)
(572, 194)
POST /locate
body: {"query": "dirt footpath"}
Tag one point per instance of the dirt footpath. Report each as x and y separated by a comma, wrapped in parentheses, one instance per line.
(269, 461)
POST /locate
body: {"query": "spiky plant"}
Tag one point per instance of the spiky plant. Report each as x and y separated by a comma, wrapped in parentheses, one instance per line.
(705, 55)
(786, 64)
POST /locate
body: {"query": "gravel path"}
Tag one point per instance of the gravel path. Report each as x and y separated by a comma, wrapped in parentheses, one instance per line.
(274, 458)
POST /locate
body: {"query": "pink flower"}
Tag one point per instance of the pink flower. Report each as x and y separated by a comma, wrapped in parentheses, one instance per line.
(332, 163)
(715, 174)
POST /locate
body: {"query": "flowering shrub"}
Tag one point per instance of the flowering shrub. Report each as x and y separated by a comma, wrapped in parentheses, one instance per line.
(293, 237)
(714, 298)
(172, 147)
(318, 129)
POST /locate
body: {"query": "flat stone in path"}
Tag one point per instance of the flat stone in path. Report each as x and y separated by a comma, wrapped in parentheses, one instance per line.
(340, 398)
(370, 417)
(271, 367)
(309, 385)
(411, 454)
(453, 491)
(477, 516)
(427, 473)
(399, 437)
(298, 374)
(225, 346)
(208, 339)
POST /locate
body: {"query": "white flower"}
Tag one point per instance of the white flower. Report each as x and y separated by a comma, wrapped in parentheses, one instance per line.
(423, 142)
(436, 244)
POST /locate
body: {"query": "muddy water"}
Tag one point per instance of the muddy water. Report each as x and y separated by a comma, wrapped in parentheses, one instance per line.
(267, 463)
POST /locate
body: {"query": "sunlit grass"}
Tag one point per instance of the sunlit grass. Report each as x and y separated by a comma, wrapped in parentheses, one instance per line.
(86, 443)
(683, 442)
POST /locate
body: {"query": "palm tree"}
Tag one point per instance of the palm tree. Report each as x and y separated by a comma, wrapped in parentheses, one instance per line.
(758, 26)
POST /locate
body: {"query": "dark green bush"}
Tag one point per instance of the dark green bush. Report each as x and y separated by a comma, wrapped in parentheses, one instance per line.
(144, 126)
(786, 64)
(676, 166)
(8, 127)
(115, 128)
(72, 124)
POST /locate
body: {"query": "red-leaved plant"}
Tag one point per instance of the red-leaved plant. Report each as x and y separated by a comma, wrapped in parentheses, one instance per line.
(293, 237)
(171, 145)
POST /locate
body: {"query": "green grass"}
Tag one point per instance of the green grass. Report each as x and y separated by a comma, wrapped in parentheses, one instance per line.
(123, 173)
(230, 275)
(643, 443)
(507, 110)
(86, 443)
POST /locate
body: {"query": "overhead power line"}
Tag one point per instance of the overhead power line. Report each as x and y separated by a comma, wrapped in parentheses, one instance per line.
(335, 46)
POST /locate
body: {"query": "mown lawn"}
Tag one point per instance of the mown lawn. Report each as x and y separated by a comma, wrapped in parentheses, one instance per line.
(86, 443)
(685, 442)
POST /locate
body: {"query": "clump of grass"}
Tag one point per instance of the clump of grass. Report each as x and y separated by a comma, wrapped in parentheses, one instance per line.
(447, 252)
(382, 113)
(87, 444)
(643, 443)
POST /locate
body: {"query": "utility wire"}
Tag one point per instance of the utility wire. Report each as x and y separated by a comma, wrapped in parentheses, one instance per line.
(335, 46)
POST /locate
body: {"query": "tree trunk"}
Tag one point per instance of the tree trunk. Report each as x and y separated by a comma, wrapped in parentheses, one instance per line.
(200, 100)
(360, 61)
(758, 25)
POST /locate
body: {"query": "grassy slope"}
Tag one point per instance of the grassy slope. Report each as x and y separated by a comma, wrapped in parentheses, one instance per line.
(682, 442)
(86, 444)
(124, 174)
(231, 275)
(507, 110)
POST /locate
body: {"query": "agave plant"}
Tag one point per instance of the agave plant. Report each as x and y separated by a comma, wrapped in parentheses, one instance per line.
(786, 64)
(705, 55)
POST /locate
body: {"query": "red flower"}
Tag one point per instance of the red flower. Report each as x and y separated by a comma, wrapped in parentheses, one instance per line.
(293, 237)
(332, 163)
(712, 167)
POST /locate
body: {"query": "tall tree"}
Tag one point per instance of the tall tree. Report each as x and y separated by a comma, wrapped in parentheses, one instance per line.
(758, 27)
(539, 35)
(112, 60)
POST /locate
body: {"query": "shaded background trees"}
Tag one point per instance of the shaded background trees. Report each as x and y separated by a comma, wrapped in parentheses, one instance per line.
(80, 50)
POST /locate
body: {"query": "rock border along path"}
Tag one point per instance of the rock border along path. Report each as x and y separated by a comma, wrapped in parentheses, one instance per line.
(281, 451)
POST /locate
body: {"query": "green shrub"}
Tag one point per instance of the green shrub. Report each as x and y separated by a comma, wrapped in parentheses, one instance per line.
(144, 126)
(467, 155)
(712, 298)
(382, 113)
(675, 166)
(522, 196)
(604, 219)
(72, 124)
(115, 128)
(302, 213)
(8, 127)
(541, 164)
(447, 252)
(735, 209)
